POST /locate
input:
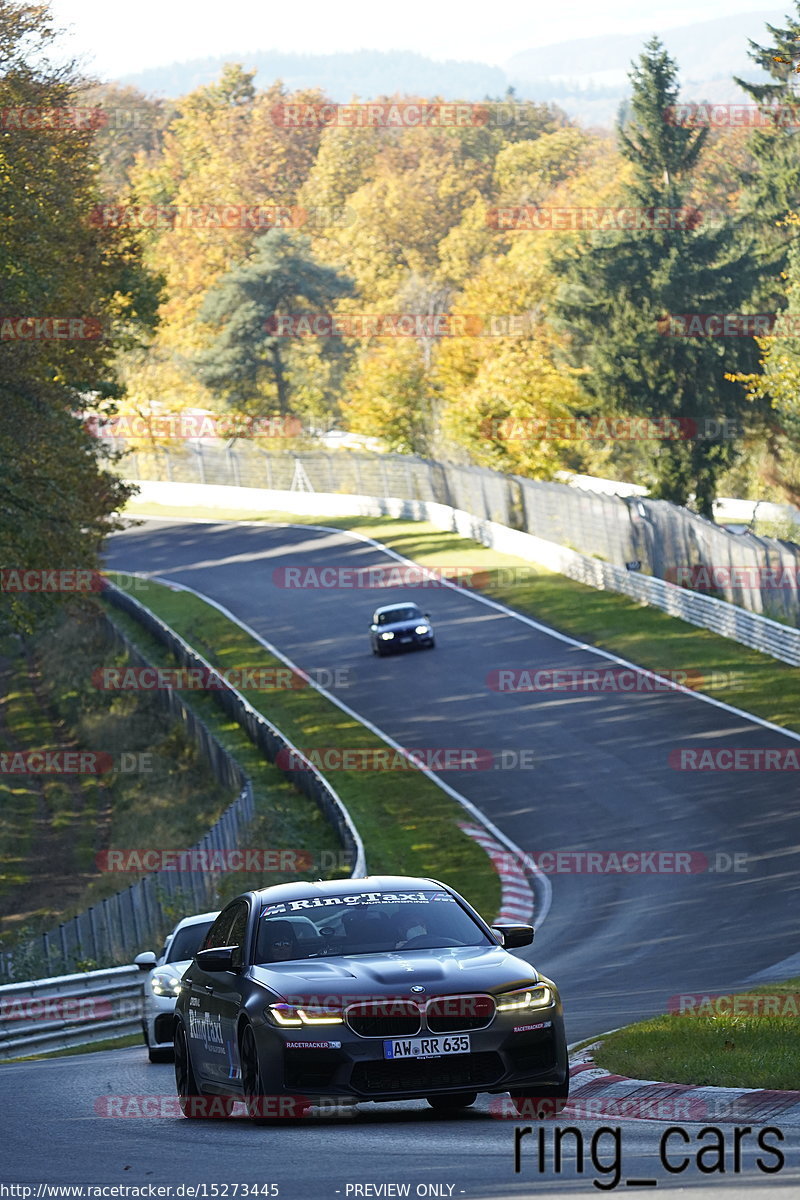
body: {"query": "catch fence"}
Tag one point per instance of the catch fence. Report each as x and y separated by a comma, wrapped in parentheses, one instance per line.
(653, 537)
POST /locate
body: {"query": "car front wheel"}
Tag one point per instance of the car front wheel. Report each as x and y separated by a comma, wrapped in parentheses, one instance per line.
(192, 1102)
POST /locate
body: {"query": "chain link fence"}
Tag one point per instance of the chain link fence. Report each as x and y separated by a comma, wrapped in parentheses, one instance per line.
(655, 537)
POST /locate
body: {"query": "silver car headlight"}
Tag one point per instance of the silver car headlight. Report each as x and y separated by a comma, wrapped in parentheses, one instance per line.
(167, 985)
(528, 999)
(422, 629)
(387, 637)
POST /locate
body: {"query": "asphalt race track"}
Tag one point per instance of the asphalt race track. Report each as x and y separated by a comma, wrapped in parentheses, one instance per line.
(619, 946)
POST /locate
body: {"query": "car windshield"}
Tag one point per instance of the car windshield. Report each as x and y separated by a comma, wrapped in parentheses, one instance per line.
(408, 613)
(187, 941)
(364, 923)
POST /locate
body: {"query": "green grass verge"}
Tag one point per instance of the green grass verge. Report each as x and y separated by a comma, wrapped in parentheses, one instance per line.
(756, 1047)
(407, 823)
(717, 666)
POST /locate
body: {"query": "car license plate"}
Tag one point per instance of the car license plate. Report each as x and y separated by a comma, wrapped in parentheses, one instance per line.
(428, 1047)
(405, 639)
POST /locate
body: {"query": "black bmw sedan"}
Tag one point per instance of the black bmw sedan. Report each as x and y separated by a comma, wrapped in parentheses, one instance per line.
(381, 988)
(397, 627)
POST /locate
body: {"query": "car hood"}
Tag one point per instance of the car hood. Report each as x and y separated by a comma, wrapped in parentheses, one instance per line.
(470, 969)
(174, 968)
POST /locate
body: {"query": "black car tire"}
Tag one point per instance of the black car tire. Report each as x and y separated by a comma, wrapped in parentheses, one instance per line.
(452, 1102)
(192, 1101)
(162, 1054)
(540, 1107)
(431, 643)
(262, 1108)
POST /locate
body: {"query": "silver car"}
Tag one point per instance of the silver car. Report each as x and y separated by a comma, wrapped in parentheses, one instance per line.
(162, 985)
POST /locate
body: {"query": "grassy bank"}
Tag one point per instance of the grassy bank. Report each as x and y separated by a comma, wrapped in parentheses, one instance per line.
(754, 1045)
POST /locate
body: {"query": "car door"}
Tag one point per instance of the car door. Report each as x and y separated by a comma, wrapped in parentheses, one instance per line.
(206, 1039)
(223, 998)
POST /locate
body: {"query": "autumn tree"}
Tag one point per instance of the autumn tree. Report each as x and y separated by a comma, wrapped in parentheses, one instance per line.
(72, 294)
(620, 290)
(250, 362)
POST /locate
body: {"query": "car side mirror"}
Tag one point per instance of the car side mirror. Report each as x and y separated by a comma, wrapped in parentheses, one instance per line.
(145, 961)
(218, 958)
(513, 936)
(427, 616)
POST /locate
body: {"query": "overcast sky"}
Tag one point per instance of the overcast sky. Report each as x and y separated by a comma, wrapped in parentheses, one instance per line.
(114, 38)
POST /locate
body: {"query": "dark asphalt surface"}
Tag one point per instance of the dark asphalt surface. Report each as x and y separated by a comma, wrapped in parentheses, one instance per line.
(619, 946)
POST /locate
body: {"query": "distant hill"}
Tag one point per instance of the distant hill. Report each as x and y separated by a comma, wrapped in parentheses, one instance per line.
(591, 76)
(587, 77)
(364, 73)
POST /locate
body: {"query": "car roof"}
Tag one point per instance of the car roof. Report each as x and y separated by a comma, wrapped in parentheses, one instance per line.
(196, 919)
(399, 604)
(334, 887)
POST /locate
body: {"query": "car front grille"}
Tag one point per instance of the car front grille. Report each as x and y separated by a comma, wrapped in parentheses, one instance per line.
(418, 1075)
(391, 1018)
(452, 1014)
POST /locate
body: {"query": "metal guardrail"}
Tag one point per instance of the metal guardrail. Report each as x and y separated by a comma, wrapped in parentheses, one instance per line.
(69, 1011)
(750, 629)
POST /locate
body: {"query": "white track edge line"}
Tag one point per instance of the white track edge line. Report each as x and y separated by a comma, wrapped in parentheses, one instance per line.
(509, 612)
(542, 879)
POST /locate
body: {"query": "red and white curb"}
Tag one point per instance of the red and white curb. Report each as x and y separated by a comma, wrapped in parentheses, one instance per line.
(516, 902)
(596, 1094)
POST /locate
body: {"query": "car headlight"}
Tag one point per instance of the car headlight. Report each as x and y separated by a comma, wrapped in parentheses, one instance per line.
(526, 999)
(422, 629)
(167, 985)
(387, 637)
(293, 1015)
